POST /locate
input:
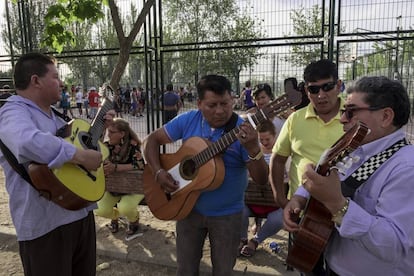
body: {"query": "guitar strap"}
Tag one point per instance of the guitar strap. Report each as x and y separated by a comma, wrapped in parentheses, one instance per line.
(19, 168)
(66, 118)
(362, 174)
(231, 123)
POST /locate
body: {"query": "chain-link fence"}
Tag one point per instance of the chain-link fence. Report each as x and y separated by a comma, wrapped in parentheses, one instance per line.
(363, 37)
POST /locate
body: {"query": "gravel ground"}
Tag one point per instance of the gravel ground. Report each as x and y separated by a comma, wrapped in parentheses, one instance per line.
(151, 254)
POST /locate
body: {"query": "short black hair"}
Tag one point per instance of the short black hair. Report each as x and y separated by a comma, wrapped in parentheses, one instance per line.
(384, 92)
(215, 83)
(266, 125)
(263, 87)
(294, 82)
(28, 65)
(170, 87)
(321, 69)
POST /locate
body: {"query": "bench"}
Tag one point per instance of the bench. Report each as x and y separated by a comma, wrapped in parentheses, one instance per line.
(259, 194)
(126, 183)
(131, 182)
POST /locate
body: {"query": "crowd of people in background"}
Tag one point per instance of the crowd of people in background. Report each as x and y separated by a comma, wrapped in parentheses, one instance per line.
(126, 100)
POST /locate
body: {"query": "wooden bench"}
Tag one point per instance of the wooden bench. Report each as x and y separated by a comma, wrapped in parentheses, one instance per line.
(131, 182)
(259, 194)
(126, 182)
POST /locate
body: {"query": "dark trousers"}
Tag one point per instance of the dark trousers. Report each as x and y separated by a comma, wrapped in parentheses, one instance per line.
(68, 250)
(224, 237)
(169, 115)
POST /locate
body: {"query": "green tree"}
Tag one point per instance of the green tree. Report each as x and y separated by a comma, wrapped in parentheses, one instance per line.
(308, 23)
(305, 23)
(198, 22)
(384, 59)
(59, 18)
(37, 11)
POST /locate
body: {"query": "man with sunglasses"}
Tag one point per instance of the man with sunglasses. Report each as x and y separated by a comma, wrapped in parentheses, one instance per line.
(308, 131)
(373, 219)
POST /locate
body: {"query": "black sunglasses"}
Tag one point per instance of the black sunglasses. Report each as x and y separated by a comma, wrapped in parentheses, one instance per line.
(314, 89)
(349, 111)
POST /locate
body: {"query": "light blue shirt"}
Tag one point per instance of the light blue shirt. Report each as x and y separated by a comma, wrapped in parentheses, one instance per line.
(229, 197)
(29, 133)
(376, 236)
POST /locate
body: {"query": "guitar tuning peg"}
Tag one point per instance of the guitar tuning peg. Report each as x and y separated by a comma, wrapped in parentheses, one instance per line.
(339, 169)
(348, 163)
(355, 158)
(340, 164)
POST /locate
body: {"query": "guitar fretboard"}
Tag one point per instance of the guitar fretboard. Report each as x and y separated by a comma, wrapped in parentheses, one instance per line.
(226, 140)
(98, 123)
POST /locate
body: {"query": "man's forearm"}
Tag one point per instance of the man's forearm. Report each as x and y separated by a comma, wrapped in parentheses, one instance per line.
(259, 171)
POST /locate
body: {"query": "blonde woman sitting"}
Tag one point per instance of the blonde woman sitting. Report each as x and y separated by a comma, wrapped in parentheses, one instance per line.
(125, 155)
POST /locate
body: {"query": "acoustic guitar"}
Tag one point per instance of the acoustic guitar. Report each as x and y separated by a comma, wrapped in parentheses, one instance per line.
(198, 167)
(73, 186)
(315, 226)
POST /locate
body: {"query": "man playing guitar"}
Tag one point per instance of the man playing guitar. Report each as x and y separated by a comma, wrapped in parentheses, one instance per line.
(372, 208)
(216, 212)
(47, 233)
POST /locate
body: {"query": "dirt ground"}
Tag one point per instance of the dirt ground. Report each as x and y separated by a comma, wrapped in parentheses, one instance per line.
(151, 254)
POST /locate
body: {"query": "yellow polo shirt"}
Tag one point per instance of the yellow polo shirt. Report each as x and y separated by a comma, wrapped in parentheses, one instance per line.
(305, 137)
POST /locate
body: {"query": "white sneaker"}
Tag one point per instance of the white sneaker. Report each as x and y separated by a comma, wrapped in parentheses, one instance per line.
(133, 236)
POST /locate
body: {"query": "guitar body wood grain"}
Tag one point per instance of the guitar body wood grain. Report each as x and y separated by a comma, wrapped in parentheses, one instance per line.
(178, 205)
(315, 225)
(309, 243)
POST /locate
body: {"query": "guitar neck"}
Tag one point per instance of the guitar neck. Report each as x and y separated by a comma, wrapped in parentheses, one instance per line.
(226, 140)
(98, 123)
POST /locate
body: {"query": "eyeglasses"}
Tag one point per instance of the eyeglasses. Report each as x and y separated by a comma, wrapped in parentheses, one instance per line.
(349, 111)
(314, 89)
(113, 131)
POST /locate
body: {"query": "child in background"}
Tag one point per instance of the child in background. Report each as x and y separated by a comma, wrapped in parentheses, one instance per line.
(274, 221)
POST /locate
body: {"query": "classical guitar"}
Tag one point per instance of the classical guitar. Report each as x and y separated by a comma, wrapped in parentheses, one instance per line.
(315, 224)
(73, 186)
(197, 166)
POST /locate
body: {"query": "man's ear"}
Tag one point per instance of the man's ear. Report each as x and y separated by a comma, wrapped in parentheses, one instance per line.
(338, 86)
(387, 117)
(35, 80)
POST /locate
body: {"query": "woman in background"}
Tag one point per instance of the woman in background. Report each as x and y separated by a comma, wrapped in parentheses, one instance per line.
(125, 155)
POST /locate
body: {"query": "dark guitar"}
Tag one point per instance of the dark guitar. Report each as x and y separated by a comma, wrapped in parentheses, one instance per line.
(197, 166)
(73, 186)
(316, 225)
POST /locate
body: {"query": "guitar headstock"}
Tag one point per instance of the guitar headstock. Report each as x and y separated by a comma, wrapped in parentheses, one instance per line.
(106, 91)
(288, 100)
(339, 152)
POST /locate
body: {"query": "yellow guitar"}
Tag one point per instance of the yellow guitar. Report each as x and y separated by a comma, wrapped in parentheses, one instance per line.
(72, 186)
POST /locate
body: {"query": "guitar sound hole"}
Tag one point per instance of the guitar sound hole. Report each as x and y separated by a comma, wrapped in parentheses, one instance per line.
(188, 169)
(86, 141)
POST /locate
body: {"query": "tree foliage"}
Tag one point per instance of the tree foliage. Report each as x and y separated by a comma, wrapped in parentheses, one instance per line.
(83, 25)
(306, 22)
(197, 23)
(60, 17)
(384, 59)
(37, 11)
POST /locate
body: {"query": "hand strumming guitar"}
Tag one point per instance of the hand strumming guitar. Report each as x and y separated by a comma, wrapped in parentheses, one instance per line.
(90, 159)
(166, 181)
